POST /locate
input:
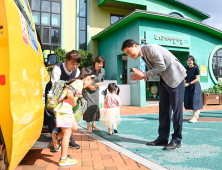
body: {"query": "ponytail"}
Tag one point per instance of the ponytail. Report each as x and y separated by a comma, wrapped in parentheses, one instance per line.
(118, 90)
(105, 92)
(112, 87)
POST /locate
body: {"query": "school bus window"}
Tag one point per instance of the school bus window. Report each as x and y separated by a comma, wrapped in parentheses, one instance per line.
(37, 28)
(27, 6)
(25, 10)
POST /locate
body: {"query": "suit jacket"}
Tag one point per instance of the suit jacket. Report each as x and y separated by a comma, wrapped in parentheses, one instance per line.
(161, 61)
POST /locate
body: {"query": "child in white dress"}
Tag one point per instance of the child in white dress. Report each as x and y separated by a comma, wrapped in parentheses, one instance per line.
(111, 116)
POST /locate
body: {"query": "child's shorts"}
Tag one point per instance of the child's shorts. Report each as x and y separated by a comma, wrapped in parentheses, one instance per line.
(64, 119)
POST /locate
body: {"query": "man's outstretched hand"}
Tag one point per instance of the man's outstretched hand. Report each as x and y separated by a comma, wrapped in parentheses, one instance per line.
(139, 75)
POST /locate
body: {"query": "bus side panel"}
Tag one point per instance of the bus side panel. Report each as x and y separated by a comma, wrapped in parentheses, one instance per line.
(6, 121)
(26, 73)
(27, 79)
(22, 143)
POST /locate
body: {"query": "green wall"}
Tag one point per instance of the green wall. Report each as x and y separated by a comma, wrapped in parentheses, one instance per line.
(166, 7)
(110, 47)
(202, 43)
(160, 6)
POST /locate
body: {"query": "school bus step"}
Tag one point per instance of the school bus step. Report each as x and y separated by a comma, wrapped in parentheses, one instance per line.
(45, 129)
(43, 141)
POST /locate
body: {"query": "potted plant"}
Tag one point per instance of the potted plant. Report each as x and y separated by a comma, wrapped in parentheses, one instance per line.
(213, 95)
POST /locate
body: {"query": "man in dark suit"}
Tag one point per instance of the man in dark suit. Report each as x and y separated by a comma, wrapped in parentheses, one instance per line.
(162, 62)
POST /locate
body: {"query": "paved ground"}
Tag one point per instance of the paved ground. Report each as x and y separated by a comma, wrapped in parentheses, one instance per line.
(201, 145)
(132, 110)
(94, 155)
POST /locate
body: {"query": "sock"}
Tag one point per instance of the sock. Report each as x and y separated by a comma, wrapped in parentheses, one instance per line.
(63, 158)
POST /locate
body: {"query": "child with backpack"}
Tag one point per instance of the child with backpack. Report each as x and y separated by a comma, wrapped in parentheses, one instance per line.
(62, 71)
(64, 114)
(111, 117)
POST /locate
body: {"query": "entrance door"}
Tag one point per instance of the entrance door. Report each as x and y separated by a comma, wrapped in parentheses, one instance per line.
(181, 56)
(152, 86)
(124, 69)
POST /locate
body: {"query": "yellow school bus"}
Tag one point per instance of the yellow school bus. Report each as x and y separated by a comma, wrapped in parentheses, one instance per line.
(22, 79)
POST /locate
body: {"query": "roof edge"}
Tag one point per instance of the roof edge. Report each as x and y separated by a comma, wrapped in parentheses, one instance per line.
(95, 37)
(204, 14)
(200, 13)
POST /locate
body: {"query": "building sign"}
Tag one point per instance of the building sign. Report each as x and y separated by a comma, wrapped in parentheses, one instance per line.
(166, 39)
(203, 71)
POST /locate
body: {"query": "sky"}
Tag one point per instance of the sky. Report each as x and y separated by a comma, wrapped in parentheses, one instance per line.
(211, 7)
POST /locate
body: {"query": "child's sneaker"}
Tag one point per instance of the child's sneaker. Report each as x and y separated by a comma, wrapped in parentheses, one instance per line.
(56, 142)
(67, 162)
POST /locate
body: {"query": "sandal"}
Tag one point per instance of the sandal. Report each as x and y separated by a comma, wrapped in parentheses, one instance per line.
(96, 128)
(89, 129)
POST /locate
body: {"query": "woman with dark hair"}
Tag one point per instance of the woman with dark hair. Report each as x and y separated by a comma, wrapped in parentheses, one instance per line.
(91, 94)
(193, 96)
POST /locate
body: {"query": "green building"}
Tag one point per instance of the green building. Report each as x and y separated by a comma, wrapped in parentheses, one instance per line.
(170, 23)
(101, 26)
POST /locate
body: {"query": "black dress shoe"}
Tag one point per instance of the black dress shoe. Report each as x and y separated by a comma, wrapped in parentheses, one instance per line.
(73, 144)
(172, 145)
(157, 142)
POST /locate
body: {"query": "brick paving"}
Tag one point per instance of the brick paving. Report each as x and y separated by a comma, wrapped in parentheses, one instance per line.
(94, 155)
(132, 110)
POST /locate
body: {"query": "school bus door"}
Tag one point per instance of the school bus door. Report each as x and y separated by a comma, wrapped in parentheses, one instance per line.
(22, 78)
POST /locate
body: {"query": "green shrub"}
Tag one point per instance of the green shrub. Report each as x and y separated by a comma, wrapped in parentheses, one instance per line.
(87, 59)
(216, 89)
(61, 54)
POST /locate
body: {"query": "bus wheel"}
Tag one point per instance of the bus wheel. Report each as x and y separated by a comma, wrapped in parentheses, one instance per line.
(3, 154)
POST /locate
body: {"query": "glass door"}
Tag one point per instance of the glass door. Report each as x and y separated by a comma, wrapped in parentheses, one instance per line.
(124, 69)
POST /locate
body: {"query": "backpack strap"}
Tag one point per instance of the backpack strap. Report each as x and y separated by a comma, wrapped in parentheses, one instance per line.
(71, 88)
(73, 74)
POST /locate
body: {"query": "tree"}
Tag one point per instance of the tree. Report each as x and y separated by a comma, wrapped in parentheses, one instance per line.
(61, 54)
(87, 59)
